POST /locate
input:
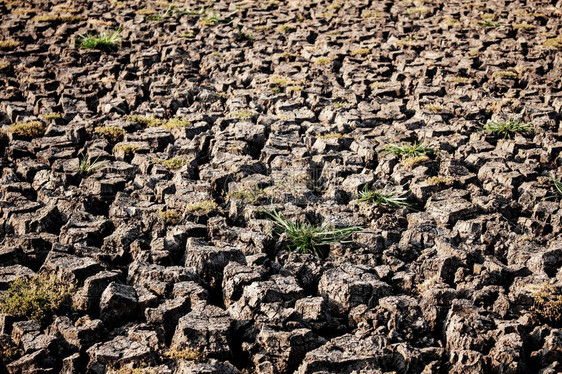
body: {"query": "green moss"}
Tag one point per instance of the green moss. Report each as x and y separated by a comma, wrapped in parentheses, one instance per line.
(113, 133)
(360, 52)
(174, 163)
(204, 206)
(35, 297)
(30, 129)
(170, 216)
(174, 123)
(52, 115)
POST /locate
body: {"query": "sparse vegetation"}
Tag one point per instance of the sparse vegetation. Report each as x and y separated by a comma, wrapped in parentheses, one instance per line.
(205, 206)
(332, 135)
(174, 123)
(435, 108)
(128, 148)
(411, 150)
(8, 44)
(187, 353)
(4, 64)
(411, 161)
(439, 180)
(148, 121)
(557, 186)
(51, 17)
(35, 297)
(113, 133)
(413, 11)
(507, 128)
(106, 40)
(548, 303)
(383, 198)
(244, 113)
(306, 237)
(248, 194)
(360, 52)
(372, 15)
(170, 216)
(29, 129)
(173, 163)
(52, 115)
(321, 61)
(86, 165)
(506, 74)
(554, 42)
(523, 26)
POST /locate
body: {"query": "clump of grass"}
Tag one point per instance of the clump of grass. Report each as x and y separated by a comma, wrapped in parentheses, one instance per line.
(435, 108)
(372, 15)
(507, 128)
(548, 303)
(113, 133)
(106, 40)
(332, 135)
(554, 42)
(411, 150)
(557, 185)
(321, 61)
(9, 44)
(4, 64)
(146, 11)
(52, 115)
(170, 216)
(294, 89)
(456, 79)
(148, 121)
(308, 238)
(413, 11)
(204, 206)
(411, 161)
(285, 28)
(523, 26)
(360, 52)
(506, 74)
(244, 113)
(128, 148)
(174, 123)
(35, 297)
(49, 17)
(383, 198)
(341, 104)
(488, 24)
(86, 165)
(451, 22)
(213, 19)
(248, 194)
(439, 180)
(174, 163)
(29, 129)
(187, 353)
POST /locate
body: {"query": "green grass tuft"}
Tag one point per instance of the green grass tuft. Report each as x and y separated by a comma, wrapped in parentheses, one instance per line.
(307, 238)
(87, 166)
(106, 40)
(507, 128)
(410, 150)
(384, 198)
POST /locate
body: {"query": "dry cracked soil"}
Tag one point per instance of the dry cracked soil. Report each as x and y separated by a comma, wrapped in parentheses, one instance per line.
(140, 179)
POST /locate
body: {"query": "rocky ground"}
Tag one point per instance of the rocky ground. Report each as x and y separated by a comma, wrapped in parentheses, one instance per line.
(290, 106)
